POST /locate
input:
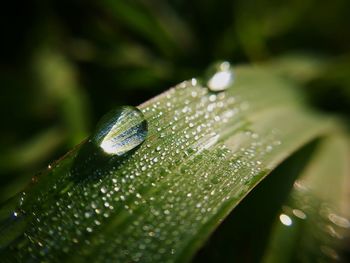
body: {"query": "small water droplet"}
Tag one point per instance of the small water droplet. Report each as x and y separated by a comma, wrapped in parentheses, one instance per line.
(220, 77)
(339, 220)
(121, 130)
(286, 220)
(194, 82)
(299, 213)
(103, 190)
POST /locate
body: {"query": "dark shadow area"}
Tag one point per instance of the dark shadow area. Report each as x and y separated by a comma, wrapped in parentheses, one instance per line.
(243, 235)
(91, 162)
(331, 94)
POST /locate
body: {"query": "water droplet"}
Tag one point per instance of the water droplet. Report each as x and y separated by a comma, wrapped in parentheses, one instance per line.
(194, 82)
(339, 220)
(220, 77)
(285, 220)
(298, 213)
(103, 190)
(121, 130)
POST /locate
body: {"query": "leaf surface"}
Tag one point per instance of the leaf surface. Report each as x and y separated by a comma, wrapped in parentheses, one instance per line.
(204, 153)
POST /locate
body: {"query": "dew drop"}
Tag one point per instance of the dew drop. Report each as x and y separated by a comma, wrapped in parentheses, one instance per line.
(285, 220)
(220, 77)
(121, 130)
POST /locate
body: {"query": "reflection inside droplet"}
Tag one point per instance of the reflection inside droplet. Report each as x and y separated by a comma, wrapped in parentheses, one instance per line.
(222, 78)
(121, 130)
(285, 220)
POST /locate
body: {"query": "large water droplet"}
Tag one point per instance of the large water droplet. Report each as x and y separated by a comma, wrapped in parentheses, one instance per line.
(121, 130)
(220, 77)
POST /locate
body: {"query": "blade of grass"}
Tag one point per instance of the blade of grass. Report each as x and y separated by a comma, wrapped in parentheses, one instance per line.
(244, 234)
(315, 220)
(204, 153)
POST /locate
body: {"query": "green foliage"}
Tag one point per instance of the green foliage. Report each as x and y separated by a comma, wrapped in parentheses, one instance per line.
(204, 153)
(65, 63)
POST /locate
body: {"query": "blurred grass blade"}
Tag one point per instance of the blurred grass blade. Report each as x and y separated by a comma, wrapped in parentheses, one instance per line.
(58, 81)
(26, 156)
(139, 19)
(244, 234)
(204, 153)
(315, 220)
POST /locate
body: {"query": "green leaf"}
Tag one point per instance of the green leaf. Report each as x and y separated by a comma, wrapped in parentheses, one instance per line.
(204, 153)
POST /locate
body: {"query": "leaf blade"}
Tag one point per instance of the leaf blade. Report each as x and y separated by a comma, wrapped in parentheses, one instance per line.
(204, 153)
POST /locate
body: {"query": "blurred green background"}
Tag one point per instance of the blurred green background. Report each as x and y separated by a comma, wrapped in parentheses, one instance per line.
(65, 63)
